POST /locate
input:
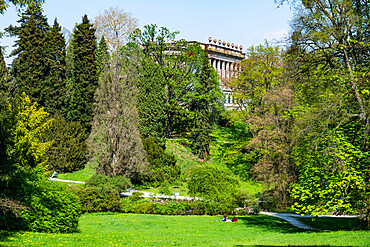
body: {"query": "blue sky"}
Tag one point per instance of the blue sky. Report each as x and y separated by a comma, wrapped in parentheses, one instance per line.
(243, 22)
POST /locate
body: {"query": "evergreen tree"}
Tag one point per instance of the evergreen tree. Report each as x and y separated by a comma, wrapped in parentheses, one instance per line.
(30, 68)
(4, 72)
(152, 102)
(54, 92)
(84, 74)
(102, 55)
(205, 100)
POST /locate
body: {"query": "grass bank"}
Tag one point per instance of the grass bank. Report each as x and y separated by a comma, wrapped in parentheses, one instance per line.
(108, 229)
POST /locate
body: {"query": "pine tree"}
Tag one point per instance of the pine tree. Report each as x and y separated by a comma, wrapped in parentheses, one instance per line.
(84, 74)
(152, 102)
(102, 55)
(54, 92)
(29, 67)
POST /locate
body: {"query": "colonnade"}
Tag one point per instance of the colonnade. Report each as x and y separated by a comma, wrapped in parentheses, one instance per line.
(225, 69)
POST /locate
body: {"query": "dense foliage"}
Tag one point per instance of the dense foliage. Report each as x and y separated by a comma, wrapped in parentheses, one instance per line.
(212, 182)
(36, 204)
(68, 150)
(83, 77)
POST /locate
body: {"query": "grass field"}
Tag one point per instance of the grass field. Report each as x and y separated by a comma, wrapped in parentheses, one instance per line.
(108, 229)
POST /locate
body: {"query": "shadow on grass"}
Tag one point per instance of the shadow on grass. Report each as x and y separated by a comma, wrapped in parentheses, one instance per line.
(269, 223)
(289, 245)
(6, 235)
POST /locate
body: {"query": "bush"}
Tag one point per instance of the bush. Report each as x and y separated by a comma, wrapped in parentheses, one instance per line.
(102, 183)
(212, 182)
(163, 165)
(68, 151)
(92, 201)
(102, 193)
(51, 208)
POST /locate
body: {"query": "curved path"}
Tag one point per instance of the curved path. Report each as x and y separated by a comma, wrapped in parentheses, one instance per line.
(291, 218)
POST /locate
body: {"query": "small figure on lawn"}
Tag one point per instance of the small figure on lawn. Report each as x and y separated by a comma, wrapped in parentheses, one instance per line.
(234, 219)
(224, 219)
(54, 175)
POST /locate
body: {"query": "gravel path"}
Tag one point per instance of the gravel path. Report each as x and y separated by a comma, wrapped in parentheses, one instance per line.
(290, 218)
(66, 181)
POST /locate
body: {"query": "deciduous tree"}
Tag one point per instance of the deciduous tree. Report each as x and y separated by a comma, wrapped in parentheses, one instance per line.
(115, 147)
(115, 25)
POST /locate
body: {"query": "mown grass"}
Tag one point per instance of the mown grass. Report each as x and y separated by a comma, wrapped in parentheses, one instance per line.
(81, 175)
(108, 229)
(335, 224)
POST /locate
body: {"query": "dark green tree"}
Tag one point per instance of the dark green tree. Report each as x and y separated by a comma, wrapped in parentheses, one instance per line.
(29, 68)
(4, 72)
(102, 55)
(84, 74)
(21, 3)
(160, 45)
(68, 151)
(205, 101)
(152, 102)
(55, 90)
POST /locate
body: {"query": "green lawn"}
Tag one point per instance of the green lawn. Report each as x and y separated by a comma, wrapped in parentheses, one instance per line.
(335, 224)
(108, 229)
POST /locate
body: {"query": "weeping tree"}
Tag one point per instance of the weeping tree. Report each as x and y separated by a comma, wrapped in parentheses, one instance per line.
(114, 144)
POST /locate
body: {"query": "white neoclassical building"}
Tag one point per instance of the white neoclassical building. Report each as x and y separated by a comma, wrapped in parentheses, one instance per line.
(224, 57)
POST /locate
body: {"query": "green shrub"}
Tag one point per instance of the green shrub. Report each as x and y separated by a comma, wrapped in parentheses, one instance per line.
(212, 182)
(92, 201)
(68, 151)
(51, 208)
(102, 183)
(164, 189)
(163, 165)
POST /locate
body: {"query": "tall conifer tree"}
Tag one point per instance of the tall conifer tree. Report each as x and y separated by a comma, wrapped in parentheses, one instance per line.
(54, 92)
(84, 74)
(29, 67)
(205, 100)
(3, 71)
(152, 102)
(102, 55)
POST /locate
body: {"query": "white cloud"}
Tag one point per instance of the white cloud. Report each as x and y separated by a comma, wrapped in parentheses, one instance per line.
(277, 35)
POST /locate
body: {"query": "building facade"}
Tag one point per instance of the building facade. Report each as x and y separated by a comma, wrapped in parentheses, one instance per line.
(224, 57)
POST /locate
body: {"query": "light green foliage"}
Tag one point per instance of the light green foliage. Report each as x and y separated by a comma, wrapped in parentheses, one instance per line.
(231, 150)
(212, 182)
(260, 74)
(331, 127)
(332, 176)
(28, 123)
(52, 209)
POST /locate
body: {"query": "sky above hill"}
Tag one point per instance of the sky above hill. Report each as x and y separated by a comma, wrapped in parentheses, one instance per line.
(243, 22)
